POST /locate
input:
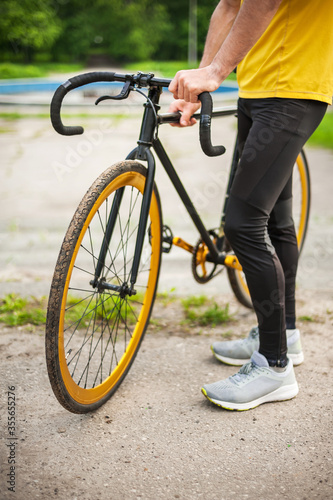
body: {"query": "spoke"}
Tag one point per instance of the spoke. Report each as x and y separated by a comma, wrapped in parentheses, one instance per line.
(83, 270)
(94, 344)
(77, 324)
(81, 290)
(96, 327)
(83, 316)
(92, 248)
(91, 343)
(80, 351)
(133, 311)
(105, 350)
(79, 302)
(88, 251)
(127, 226)
(92, 333)
(114, 343)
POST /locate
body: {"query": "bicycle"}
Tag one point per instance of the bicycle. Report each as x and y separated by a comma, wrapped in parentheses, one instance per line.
(106, 276)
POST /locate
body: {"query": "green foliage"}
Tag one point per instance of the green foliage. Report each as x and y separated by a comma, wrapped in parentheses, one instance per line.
(323, 136)
(28, 25)
(124, 30)
(194, 301)
(16, 311)
(16, 70)
(81, 311)
(309, 319)
(9, 70)
(166, 69)
(212, 315)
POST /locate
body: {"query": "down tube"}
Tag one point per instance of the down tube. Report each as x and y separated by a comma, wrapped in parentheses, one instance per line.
(164, 159)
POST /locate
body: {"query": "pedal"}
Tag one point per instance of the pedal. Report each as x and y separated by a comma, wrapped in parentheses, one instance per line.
(167, 239)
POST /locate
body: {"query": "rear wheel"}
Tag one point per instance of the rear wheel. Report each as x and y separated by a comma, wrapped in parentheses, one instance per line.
(301, 210)
(93, 333)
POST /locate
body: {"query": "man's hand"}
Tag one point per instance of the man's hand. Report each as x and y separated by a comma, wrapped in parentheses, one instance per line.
(187, 109)
(188, 84)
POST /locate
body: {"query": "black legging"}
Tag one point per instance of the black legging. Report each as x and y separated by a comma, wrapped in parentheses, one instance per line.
(259, 223)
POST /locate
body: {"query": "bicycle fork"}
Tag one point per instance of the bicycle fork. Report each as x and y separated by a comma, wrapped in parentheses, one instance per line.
(141, 152)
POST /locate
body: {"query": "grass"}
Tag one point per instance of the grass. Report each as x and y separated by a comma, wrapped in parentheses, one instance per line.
(166, 69)
(323, 136)
(17, 311)
(12, 71)
(5, 130)
(309, 319)
(200, 311)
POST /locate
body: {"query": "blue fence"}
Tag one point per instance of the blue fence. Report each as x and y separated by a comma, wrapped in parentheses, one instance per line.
(38, 85)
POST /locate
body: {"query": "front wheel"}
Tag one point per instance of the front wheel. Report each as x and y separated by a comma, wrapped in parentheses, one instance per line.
(301, 211)
(93, 332)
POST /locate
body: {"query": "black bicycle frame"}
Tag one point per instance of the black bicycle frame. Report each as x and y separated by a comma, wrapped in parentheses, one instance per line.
(148, 140)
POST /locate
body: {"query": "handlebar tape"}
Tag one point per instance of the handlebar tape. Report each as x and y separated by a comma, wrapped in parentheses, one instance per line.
(205, 126)
(62, 90)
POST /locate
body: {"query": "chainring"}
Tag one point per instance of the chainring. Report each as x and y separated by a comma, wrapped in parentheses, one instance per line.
(201, 272)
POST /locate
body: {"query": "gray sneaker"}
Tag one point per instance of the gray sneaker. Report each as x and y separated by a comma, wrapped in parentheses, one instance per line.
(238, 352)
(254, 384)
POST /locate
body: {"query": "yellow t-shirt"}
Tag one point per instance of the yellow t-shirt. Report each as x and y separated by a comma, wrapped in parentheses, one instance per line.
(294, 56)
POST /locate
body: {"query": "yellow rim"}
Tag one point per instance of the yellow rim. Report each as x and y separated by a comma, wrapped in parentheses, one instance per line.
(89, 396)
(304, 204)
(302, 223)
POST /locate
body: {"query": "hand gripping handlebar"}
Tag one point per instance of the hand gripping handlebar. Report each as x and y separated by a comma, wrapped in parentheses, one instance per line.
(141, 80)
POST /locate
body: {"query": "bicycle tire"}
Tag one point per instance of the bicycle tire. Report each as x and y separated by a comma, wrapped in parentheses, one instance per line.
(301, 212)
(92, 337)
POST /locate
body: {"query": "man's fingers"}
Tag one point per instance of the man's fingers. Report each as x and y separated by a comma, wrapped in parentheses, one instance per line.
(187, 111)
(173, 87)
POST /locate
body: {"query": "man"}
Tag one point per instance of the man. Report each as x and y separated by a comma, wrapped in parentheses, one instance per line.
(283, 50)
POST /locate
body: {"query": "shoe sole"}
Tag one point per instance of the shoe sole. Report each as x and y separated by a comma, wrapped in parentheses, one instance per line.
(282, 394)
(297, 359)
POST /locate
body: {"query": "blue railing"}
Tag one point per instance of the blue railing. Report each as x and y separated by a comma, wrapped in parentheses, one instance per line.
(39, 85)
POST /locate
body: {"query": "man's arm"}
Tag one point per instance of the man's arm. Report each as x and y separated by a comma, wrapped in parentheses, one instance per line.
(252, 20)
(219, 27)
(220, 24)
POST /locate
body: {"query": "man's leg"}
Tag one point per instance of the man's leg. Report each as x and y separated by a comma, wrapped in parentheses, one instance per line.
(282, 234)
(281, 230)
(278, 131)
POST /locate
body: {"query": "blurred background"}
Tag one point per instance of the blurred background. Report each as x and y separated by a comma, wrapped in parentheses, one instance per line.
(43, 175)
(68, 34)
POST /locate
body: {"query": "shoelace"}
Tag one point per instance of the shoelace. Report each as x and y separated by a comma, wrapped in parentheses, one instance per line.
(245, 370)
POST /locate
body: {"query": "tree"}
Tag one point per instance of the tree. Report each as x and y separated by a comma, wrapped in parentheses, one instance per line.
(28, 25)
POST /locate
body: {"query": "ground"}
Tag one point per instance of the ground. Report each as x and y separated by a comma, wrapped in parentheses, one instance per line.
(158, 437)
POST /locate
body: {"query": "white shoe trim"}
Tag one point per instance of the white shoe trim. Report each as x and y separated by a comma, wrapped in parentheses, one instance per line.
(297, 359)
(282, 394)
(231, 361)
